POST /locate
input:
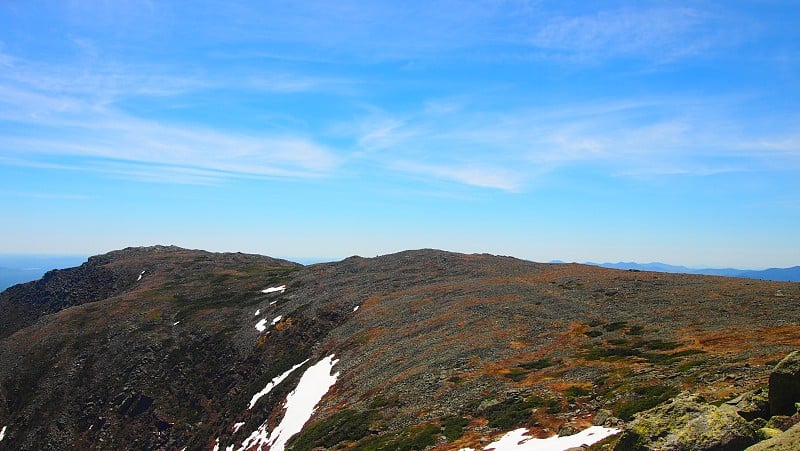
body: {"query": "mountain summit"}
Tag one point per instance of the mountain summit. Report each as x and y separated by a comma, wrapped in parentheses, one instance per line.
(169, 348)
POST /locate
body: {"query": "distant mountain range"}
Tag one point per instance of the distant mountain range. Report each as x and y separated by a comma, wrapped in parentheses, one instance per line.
(777, 274)
(16, 269)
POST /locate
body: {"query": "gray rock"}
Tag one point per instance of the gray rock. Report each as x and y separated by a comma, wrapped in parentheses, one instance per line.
(751, 405)
(781, 422)
(787, 441)
(784, 385)
(758, 423)
(687, 423)
(768, 433)
(567, 429)
(601, 417)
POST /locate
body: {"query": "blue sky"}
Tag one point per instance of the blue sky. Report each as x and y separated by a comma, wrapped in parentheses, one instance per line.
(572, 130)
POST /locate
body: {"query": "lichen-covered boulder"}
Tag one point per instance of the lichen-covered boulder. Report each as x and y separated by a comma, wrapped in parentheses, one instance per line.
(784, 386)
(781, 422)
(786, 441)
(687, 423)
(602, 416)
(750, 405)
(766, 433)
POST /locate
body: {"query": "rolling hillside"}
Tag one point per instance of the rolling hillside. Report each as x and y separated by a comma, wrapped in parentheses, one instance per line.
(166, 348)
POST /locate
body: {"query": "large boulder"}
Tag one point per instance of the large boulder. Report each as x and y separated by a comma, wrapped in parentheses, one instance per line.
(784, 386)
(687, 423)
(787, 441)
(750, 405)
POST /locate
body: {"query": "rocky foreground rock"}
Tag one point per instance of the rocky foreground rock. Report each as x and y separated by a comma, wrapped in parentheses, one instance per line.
(784, 386)
(689, 422)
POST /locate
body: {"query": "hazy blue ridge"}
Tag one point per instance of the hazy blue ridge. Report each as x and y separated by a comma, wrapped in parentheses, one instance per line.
(16, 269)
(778, 274)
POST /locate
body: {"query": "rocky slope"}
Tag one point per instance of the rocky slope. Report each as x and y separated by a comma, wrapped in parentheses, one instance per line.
(157, 348)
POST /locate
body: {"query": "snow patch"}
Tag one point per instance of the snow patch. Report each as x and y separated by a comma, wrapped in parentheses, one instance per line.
(3, 433)
(272, 384)
(277, 319)
(230, 448)
(216, 446)
(300, 405)
(176, 323)
(258, 312)
(279, 289)
(140, 276)
(237, 426)
(517, 440)
(273, 302)
(261, 326)
(356, 308)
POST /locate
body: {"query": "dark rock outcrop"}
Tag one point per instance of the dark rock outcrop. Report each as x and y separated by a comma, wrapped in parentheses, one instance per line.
(23, 304)
(784, 386)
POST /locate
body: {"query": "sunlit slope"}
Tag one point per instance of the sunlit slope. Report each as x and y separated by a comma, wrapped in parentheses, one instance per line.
(425, 348)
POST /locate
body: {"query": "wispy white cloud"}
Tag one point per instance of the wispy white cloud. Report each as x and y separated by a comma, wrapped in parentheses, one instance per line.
(52, 112)
(77, 109)
(39, 195)
(512, 150)
(788, 145)
(475, 174)
(378, 133)
(190, 153)
(355, 31)
(657, 33)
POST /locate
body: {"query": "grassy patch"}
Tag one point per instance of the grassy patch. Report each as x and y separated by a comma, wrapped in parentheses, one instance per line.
(635, 330)
(686, 366)
(537, 364)
(664, 359)
(576, 391)
(453, 427)
(615, 326)
(645, 397)
(382, 401)
(514, 411)
(347, 425)
(413, 438)
(516, 374)
(612, 353)
(571, 285)
(650, 350)
(660, 345)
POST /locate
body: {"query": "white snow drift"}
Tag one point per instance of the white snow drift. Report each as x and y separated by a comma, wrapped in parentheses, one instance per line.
(300, 405)
(261, 325)
(273, 383)
(517, 440)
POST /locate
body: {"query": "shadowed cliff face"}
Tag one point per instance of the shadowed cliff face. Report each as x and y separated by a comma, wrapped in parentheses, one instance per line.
(157, 347)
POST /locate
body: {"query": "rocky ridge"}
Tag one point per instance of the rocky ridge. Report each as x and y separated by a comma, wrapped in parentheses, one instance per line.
(156, 348)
